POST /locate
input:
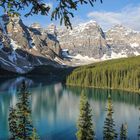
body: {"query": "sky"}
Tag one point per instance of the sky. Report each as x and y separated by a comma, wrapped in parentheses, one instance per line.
(107, 14)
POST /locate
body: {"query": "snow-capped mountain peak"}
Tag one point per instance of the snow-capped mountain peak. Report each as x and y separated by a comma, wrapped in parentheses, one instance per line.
(88, 39)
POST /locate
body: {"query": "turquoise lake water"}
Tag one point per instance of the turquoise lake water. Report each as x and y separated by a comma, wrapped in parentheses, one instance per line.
(55, 108)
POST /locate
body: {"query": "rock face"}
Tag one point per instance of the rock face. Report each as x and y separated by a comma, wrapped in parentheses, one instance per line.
(22, 47)
(88, 39)
(123, 41)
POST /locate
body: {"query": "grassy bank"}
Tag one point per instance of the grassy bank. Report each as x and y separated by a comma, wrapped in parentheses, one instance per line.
(121, 74)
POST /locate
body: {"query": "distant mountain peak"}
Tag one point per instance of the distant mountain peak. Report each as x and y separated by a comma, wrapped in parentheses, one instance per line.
(120, 27)
(91, 22)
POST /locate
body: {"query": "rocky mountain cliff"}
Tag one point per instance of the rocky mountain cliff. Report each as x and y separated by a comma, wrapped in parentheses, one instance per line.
(85, 39)
(123, 41)
(89, 40)
(22, 47)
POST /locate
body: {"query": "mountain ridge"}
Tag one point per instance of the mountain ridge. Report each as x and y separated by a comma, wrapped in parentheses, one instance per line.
(22, 48)
(114, 43)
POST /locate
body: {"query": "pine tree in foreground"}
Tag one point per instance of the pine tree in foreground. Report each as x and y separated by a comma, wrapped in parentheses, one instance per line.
(13, 123)
(24, 114)
(85, 125)
(123, 132)
(20, 118)
(109, 133)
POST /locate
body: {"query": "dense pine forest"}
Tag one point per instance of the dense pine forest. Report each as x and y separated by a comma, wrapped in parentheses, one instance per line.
(115, 74)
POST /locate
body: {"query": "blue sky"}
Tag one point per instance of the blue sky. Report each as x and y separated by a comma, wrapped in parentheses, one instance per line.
(111, 12)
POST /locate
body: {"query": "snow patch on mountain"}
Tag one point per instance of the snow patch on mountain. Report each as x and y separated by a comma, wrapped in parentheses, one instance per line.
(134, 45)
(136, 53)
(114, 55)
(59, 61)
(31, 44)
(118, 55)
(83, 58)
(14, 45)
(65, 53)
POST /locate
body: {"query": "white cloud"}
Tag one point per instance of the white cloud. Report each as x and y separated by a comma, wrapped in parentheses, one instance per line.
(128, 16)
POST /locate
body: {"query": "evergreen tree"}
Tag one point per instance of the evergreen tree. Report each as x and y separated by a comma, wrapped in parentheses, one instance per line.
(109, 133)
(123, 132)
(20, 117)
(34, 135)
(13, 123)
(85, 125)
(25, 127)
(115, 74)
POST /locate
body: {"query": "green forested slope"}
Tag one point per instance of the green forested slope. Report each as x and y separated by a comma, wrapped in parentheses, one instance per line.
(116, 74)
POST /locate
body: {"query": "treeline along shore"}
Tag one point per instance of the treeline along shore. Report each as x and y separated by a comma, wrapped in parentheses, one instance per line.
(121, 74)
